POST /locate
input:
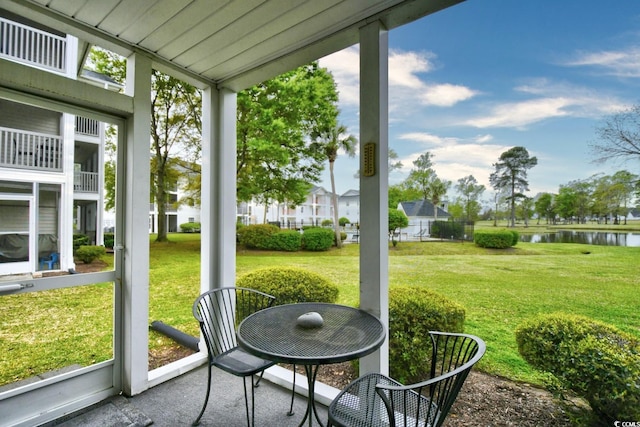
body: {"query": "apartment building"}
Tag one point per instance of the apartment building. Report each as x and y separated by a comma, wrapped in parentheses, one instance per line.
(51, 163)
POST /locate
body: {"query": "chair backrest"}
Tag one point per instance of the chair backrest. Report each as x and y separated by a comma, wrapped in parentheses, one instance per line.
(219, 312)
(453, 356)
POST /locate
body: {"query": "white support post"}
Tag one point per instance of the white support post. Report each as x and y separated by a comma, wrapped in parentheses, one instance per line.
(374, 242)
(135, 277)
(65, 246)
(218, 217)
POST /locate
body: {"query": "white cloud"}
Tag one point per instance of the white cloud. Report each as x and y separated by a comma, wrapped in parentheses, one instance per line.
(455, 158)
(620, 63)
(552, 100)
(483, 138)
(406, 87)
(427, 138)
(445, 95)
(520, 114)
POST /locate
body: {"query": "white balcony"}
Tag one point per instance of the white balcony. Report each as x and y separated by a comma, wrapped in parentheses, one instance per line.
(32, 46)
(30, 150)
(89, 127)
(85, 182)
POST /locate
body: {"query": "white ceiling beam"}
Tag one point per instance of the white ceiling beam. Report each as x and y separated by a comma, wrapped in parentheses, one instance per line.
(22, 78)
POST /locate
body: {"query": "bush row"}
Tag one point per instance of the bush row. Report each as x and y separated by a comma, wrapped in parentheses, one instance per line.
(270, 237)
(496, 239)
(595, 360)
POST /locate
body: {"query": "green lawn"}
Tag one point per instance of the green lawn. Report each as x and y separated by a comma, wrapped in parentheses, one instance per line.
(499, 289)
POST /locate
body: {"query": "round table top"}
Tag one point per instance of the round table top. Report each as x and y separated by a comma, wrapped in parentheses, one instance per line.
(346, 334)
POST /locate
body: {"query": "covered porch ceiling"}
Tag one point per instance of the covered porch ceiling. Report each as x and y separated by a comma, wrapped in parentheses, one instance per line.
(224, 43)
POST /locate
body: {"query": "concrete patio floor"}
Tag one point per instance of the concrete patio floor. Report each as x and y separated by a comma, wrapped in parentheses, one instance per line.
(178, 401)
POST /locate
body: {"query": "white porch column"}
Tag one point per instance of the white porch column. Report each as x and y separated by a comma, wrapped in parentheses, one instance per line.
(218, 213)
(374, 243)
(135, 271)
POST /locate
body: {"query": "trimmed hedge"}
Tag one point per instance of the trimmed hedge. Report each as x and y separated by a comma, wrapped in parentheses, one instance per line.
(413, 312)
(190, 227)
(496, 239)
(109, 239)
(594, 359)
(290, 285)
(88, 254)
(256, 236)
(285, 240)
(317, 239)
(80, 240)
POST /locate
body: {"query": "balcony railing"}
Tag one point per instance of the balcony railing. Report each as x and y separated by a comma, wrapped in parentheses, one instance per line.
(32, 46)
(86, 126)
(85, 182)
(30, 150)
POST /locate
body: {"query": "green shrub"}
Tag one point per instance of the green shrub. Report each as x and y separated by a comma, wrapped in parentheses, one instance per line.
(80, 240)
(498, 239)
(290, 285)
(88, 254)
(413, 312)
(515, 237)
(317, 239)
(595, 360)
(343, 220)
(109, 239)
(326, 223)
(285, 240)
(190, 227)
(256, 236)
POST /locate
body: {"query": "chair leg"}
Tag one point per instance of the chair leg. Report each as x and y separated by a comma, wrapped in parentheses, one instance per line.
(257, 383)
(250, 421)
(293, 392)
(206, 399)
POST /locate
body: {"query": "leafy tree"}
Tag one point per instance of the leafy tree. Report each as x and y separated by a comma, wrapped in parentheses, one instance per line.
(343, 221)
(471, 192)
(543, 206)
(402, 192)
(397, 220)
(175, 128)
(275, 160)
(456, 209)
(526, 209)
(618, 136)
(329, 143)
(626, 184)
(511, 175)
(422, 174)
(574, 201)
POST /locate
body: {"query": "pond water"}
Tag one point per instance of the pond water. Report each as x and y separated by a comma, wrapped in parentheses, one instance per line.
(604, 238)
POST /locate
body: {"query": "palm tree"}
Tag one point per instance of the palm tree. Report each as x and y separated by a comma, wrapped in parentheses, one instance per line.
(330, 143)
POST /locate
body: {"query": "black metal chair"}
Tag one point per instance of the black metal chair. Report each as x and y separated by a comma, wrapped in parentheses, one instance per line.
(219, 312)
(377, 400)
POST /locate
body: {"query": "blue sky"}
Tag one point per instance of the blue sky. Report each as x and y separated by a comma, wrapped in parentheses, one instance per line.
(474, 80)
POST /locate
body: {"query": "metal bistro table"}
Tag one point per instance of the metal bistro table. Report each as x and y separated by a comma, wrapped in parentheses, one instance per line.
(347, 333)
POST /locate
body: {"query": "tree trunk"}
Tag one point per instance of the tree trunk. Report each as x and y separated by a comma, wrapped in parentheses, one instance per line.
(334, 198)
(161, 198)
